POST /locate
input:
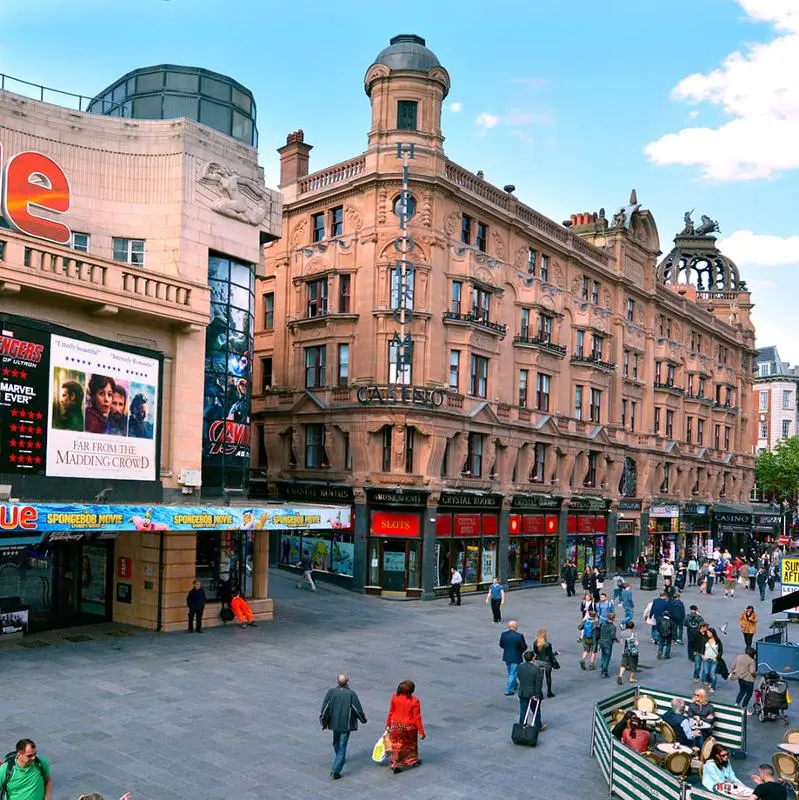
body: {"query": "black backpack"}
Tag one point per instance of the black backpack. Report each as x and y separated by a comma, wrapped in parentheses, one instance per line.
(10, 761)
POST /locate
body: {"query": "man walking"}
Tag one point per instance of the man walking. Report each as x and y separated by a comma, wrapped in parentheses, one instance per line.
(306, 565)
(590, 634)
(531, 688)
(604, 608)
(570, 576)
(455, 581)
(664, 635)
(627, 604)
(496, 596)
(341, 711)
(513, 645)
(677, 612)
(27, 775)
(629, 656)
(608, 635)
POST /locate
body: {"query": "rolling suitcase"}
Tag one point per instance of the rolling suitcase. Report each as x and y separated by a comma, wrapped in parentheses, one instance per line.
(526, 733)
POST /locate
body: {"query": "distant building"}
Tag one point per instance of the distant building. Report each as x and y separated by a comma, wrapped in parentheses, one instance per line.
(774, 399)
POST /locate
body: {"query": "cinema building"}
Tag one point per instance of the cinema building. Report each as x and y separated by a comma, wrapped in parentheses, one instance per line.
(130, 237)
(489, 389)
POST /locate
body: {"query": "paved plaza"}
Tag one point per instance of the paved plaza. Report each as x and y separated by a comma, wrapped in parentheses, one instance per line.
(233, 714)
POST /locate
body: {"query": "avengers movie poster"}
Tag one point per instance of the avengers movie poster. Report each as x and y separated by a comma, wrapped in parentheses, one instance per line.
(228, 374)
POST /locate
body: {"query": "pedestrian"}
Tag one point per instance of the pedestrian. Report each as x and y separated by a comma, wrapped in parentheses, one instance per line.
(766, 788)
(677, 612)
(455, 581)
(593, 584)
(341, 712)
(618, 585)
(306, 565)
(586, 580)
(752, 571)
(545, 658)
(404, 725)
(659, 605)
(772, 575)
(664, 635)
(587, 604)
(590, 635)
(241, 608)
(531, 689)
(629, 655)
(608, 636)
(692, 623)
(730, 577)
(604, 608)
(761, 579)
(26, 776)
(668, 588)
(496, 596)
(709, 578)
(570, 576)
(627, 603)
(681, 577)
(748, 624)
(710, 659)
(195, 601)
(513, 646)
(693, 569)
(744, 669)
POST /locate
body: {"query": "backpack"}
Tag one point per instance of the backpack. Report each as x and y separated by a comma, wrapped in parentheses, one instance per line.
(664, 627)
(631, 646)
(10, 761)
(588, 629)
(693, 622)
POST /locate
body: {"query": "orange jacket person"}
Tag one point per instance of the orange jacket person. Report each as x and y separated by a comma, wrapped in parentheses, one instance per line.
(242, 610)
(404, 724)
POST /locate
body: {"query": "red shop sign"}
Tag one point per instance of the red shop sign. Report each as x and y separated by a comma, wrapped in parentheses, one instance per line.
(391, 523)
(443, 524)
(124, 567)
(490, 525)
(467, 525)
(533, 524)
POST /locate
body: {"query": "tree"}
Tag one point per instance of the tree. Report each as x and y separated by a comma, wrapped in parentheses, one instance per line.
(777, 471)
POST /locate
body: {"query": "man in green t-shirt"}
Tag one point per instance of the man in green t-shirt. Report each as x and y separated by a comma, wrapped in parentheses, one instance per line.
(30, 775)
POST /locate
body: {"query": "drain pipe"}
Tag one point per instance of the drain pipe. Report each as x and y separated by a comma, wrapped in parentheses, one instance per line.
(159, 622)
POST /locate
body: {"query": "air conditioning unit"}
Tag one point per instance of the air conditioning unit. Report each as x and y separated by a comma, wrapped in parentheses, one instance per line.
(191, 477)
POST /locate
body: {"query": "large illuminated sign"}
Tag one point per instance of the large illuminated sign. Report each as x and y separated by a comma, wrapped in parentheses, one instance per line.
(33, 182)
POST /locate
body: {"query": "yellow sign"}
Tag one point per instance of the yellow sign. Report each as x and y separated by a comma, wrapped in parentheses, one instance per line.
(790, 570)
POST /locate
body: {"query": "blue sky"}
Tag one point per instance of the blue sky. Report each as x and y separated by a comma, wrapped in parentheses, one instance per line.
(694, 105)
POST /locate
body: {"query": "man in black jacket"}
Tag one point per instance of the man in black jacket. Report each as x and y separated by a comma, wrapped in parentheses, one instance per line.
(195, 600)
(531, 688)
(341, 710)
(570, 576)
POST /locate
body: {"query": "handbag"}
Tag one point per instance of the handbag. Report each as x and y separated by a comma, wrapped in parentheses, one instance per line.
(526, 733)
(555, 663)
(721, 668)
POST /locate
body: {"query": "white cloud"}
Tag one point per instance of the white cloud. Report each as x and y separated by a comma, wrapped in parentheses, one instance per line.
(487, 121)
(455, 107)
(693, 114)
(747, 248)
(759, 91)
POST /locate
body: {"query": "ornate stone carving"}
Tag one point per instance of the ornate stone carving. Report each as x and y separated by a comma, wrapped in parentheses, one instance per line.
(242, 199)
(521, 257)
(297, 235)
(606, 298)
(426, 210)
(354, 216)
(499, 245)
(451, 223)
(559, 278)
(575, 288)
(382, 205)
(490, 456)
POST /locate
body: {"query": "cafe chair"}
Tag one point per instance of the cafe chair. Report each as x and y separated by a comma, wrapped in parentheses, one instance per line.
(678, 764)
(653, 757)
(791, 736)
(666, 732)
(645, 703)
(787, 769)
(617, 716)
(704, 754)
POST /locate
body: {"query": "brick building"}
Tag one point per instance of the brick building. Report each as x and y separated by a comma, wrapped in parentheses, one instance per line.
(486, 388)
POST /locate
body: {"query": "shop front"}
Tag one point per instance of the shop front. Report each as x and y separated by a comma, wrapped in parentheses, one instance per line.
(395, 543)
(75, 564)
(766, 531)
(533, 546)
(664, 531)
(467, 535)
(331, 551)
(586, 528)
(732, 528)
(628, 533)
(695, 528)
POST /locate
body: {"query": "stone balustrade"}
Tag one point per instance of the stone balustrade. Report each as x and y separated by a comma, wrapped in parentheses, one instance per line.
(332, 175)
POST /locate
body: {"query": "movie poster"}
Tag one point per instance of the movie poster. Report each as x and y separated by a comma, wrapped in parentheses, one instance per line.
(228, 374)
(102, 415)
(24, 373)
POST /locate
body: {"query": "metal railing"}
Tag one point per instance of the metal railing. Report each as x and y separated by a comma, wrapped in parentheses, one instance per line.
(47, 94)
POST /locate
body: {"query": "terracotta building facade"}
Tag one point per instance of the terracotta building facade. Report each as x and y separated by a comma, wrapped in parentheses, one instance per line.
(490, 390)
(128, 252)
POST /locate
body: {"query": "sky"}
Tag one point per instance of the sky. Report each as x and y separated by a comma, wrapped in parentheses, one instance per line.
(695, 105)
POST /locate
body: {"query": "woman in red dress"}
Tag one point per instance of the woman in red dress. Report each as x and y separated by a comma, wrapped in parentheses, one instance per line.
(404, 725)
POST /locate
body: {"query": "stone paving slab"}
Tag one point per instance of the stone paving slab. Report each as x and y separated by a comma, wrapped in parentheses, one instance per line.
(233, 714)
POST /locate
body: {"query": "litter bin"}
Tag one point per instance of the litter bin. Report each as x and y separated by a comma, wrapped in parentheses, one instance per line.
(649, 580)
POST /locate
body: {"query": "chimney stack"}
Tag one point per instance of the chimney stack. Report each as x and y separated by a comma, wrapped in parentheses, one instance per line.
(294, 158)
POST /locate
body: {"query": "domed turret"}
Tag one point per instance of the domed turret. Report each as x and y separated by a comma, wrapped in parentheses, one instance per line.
(407, 85)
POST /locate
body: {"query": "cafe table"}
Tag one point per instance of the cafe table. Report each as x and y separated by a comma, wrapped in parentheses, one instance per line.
(673, 747)
(790, 747)
(737, 790)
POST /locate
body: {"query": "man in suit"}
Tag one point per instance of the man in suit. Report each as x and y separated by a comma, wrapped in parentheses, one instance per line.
(531, 687)
(513, 645)
(341, 710)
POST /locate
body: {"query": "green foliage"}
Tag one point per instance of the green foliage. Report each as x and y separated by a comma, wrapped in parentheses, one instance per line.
(777, 471)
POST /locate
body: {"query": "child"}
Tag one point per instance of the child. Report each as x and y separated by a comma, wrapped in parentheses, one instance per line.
(195, 600)
(242, 610)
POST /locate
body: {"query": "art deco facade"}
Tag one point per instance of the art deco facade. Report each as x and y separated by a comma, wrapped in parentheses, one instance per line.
(565, 395)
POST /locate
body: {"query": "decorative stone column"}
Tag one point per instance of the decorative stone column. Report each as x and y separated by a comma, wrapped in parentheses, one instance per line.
(360, 549)
(503, 541)
(429, 548)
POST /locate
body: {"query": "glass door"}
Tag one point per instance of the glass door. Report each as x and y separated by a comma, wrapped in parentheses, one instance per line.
(66, 582)
(93, 590)
(393, 564)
